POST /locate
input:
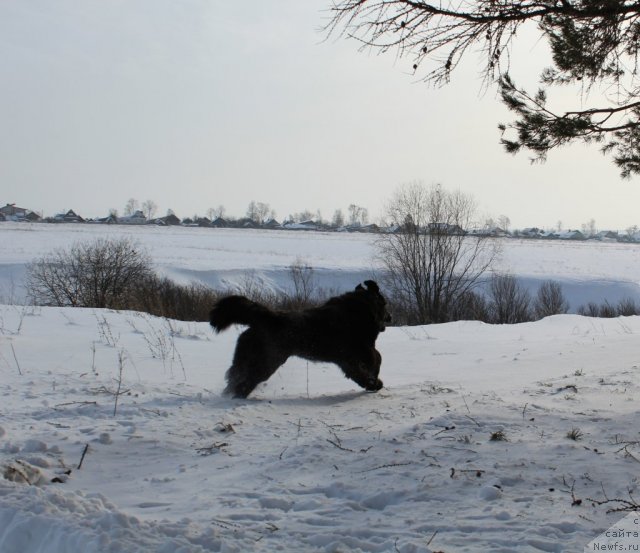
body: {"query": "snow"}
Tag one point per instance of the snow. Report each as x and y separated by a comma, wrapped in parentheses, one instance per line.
(310, 462)
(588, 271)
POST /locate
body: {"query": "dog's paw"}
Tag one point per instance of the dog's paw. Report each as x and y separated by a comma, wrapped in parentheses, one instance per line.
(374, 385)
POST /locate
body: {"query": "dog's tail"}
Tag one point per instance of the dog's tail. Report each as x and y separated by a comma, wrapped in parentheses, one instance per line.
(238, 310)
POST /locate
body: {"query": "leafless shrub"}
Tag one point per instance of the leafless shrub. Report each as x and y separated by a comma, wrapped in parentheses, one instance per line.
(628, 307)
(625, 307)
(21, 312)
(119, 381)
(498, 436)
(253, 287)
(470, 306)
(162, 297)
(608, 311)
(160, 340)
(105, 331)
(303, 283)
(550, 300)
(575, 434)
(101, 273)
(509, 303)
(591, 309)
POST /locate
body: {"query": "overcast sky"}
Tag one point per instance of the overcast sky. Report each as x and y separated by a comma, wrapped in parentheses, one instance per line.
(197, 103)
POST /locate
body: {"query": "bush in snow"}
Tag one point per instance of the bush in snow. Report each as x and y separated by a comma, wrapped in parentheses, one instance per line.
(550, 300)
(509, 301)
(101, 273)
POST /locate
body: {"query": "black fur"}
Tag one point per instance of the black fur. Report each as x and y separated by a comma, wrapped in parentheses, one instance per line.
(341, 331)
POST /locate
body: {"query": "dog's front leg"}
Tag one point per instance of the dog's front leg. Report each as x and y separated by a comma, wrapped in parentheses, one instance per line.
(364, 374)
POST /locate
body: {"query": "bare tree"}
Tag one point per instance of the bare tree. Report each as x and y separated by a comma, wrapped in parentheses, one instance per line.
(252, 211)
(489, 224)
(504, 222)
(589, 228)
(430, 261)
(338, 218)
(131, 207)
(214, 213)
(305, 215)
(264, 212)
(358, 215)
(259, 212)
(219, 211)
(149, 208)
(510, 303)
(550, 300)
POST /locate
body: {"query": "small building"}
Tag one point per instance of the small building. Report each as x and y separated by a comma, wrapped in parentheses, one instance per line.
(167, 220)
(302, 225)
(68, 217)
(32, 217)
(607, 236)
(220, 222)
(531, 232)
(136, 218)
(444, 228)
(246, 222)
(368, 228)
(572, 235)
(11, 212)
(272, 224)
(108, 220)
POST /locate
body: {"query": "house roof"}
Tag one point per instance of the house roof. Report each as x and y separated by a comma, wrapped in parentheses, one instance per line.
(12, 209)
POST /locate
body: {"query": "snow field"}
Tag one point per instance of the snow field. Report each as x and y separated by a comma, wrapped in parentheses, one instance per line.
(312, 463)
(221, 258)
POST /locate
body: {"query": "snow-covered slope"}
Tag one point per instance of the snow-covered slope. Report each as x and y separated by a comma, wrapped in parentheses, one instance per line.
(312, 463)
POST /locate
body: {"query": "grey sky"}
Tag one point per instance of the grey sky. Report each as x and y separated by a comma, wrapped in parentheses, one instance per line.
(196, 103)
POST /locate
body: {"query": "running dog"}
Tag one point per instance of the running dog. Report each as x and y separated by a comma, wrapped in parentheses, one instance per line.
(342, 331)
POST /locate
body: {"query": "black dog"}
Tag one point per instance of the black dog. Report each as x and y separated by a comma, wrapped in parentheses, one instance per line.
(341, 331)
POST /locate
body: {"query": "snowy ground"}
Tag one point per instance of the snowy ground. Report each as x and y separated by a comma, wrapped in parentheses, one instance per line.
(312, 463)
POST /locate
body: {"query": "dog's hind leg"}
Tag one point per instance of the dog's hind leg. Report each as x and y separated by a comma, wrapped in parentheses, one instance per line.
(254, 361)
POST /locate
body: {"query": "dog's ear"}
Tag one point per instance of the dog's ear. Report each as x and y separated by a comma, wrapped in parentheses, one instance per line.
(372, 286)
(359, 287)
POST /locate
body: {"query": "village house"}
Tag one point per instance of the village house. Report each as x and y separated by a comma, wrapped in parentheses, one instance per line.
(167, 220)
(136, 218)
(11, 212)
(68, 217)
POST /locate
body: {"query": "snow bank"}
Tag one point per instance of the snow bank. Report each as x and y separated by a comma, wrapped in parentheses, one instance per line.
(53, 521)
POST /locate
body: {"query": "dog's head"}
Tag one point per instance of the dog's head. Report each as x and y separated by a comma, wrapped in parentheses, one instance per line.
(378, 302)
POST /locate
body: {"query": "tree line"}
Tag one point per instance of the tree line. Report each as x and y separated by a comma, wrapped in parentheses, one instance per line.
(257, 212)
